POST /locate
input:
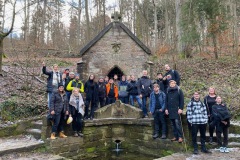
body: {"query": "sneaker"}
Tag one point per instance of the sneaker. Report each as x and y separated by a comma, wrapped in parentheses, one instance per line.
(75, 134)
(221, 149)
(180, 140)
(210, 140)
(155, 136)
(174, 139)
(163, 136)
(195, 151)
(226, 150)
(80, 134)
(206, 151)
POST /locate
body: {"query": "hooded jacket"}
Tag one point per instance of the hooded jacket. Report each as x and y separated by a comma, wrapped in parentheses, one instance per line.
(59, 103)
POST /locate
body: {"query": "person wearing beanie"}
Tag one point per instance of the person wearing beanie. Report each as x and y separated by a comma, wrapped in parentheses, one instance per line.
(75, 83)
(58, 108)
(91, 90)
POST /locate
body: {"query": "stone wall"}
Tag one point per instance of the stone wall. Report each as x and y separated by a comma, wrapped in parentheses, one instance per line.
(100, 135)
(101, 57)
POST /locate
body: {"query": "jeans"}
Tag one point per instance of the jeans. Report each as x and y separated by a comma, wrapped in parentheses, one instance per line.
(137, 98)
(111, 100)
(202, 129)
(144, 109)
(49, 99)
(159, 118)
(102, 101)
(124, 99)
(58, 123)
(77, 122)
(177, 128)
(225, 136)
(68, 94)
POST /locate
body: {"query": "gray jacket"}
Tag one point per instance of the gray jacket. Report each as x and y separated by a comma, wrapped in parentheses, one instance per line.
(59, 104)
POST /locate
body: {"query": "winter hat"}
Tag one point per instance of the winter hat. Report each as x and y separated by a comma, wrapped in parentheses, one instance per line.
(101, 77)
(72, 73)
(77, 75)
(60, 84)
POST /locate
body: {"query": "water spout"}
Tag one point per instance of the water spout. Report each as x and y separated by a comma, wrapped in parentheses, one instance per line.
(118, 142)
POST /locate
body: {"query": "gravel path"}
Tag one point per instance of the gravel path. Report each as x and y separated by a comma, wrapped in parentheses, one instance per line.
(216, 155)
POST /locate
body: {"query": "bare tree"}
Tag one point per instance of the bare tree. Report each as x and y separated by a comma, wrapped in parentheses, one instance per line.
(87, 21)
(5, 34)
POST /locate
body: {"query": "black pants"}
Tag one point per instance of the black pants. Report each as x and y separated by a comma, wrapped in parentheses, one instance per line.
(224, 130)
(93, 107)
(211, 128)
(102, 101)
(202, 129)
(77, 122)
(111, 100)
(159, 118)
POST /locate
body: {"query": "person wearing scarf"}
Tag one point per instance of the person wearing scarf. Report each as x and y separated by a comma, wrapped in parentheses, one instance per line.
(76, 111)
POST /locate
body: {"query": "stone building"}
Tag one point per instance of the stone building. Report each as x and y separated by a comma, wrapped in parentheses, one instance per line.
(115, 50)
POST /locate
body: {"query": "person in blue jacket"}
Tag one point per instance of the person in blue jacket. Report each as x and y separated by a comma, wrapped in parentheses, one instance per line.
(157, 108)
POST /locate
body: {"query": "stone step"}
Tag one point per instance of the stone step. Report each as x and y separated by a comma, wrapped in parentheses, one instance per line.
(37, 124)
(19, 144)
(35, 132)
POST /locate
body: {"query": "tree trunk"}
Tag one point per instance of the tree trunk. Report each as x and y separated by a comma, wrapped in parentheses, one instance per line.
(179, 44)
(1, 55)
(167, 26)
(87, 21)
(79, 22)
(3, 35)
(214, 38)
(235, 27)
(155, 26)
(43, 22)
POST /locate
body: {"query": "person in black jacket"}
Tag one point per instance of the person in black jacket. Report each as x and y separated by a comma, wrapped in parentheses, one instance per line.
(209, 101)
(221, 119)
(67, 80)
(170, 75)
(160, 82)
(91, 90)
(54, 78)
(59, 108)
(144, 90)
(102, 92)
(174, 108)
(133, 92)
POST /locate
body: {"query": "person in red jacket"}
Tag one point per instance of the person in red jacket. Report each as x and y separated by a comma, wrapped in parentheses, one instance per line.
(112, 91)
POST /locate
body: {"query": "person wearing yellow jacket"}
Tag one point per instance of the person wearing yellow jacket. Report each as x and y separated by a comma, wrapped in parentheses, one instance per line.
(75, 83)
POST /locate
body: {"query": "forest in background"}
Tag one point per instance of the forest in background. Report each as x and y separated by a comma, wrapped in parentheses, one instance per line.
(166, 26)
(198, 37)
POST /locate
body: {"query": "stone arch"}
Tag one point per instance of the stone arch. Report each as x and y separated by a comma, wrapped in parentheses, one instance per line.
(115, 70)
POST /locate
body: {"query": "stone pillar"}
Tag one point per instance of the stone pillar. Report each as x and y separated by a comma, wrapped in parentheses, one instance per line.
(82, 70)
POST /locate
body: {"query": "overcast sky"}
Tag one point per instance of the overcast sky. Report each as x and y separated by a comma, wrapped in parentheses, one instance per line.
(20, 13)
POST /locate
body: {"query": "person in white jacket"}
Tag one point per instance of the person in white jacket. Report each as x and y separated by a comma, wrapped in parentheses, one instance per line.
(76, 111)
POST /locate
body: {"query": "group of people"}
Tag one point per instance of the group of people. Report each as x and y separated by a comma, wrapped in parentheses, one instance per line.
(163, 94)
